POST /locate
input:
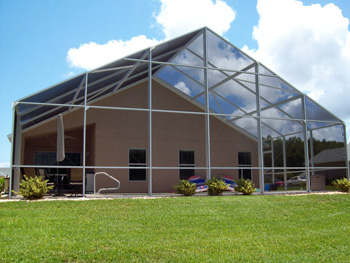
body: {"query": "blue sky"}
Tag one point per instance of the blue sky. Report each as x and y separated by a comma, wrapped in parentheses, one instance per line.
(36, 37)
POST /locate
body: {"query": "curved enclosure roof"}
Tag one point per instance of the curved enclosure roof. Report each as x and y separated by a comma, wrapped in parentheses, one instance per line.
(239, 88)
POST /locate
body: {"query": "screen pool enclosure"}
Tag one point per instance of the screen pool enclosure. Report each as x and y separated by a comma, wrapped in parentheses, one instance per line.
(194, 105)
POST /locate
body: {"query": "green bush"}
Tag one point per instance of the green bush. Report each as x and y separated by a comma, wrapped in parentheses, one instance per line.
(216, 186)
(245, 186)
(185, 188)
(342, 184)
(33, 188)
(2, 184)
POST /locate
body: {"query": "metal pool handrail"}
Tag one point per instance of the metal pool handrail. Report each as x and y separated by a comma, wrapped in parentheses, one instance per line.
(116, 188)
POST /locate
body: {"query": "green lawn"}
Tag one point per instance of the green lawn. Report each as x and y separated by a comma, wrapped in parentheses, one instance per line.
(310, 228)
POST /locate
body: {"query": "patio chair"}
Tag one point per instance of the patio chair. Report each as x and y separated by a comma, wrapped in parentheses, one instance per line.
(200, 183)
(43, 173)
(76, 181)
(231, 183)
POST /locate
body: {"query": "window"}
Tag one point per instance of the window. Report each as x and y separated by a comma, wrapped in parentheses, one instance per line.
(49, 158)
(186, 159)
(137, 158)
(245, 160)
(45, 158)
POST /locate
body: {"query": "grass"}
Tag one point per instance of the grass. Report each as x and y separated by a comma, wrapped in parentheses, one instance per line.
(310, 228)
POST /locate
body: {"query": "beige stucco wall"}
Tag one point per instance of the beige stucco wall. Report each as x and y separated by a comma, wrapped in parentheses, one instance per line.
(113, 132)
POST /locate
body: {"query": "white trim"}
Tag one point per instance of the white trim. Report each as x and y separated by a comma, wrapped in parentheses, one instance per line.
(175, 168)
(150, 140)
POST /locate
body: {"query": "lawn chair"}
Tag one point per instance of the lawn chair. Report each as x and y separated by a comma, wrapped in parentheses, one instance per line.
(76, 181)
(200, 183)
(231, 183)
(43, 173)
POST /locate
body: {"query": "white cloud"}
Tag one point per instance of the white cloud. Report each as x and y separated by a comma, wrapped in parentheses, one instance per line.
(248, 124)
(310, 47)
(181, 16)
(175, 18)
(331, 133)
(182, 86)
(92, 55)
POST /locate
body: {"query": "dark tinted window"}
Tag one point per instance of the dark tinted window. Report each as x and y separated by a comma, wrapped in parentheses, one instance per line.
(244, 158)
(137, 158)
(186, 159)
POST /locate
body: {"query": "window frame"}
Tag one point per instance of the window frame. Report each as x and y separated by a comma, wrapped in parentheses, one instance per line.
(241, 171)
(186, 165)
(52, 157)
(137, 165)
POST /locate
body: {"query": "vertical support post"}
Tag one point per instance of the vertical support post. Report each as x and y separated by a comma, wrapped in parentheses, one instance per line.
(207, 108)
(12, 149)
(284, 163)
(306, 148)
(260, 142)
(312, 153)
(150, 121)
(346, 152)
(84, 128)
(273, 161)
(16, 143)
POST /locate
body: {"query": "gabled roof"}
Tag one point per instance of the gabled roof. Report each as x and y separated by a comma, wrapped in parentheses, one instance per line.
(331, 156)
(4, 172)
(231, 79)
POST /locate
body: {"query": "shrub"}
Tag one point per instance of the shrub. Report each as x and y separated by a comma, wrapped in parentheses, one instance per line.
(245, 186)
(2, 184)
(185, 188)
(342, 184)
(216, 186)
(33, 188)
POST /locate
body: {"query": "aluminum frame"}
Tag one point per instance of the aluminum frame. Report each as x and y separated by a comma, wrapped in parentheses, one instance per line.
(157, 66)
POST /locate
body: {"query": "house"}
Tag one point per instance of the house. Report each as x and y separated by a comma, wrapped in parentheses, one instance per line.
(335, 157)
(4, 172)
(194, 105)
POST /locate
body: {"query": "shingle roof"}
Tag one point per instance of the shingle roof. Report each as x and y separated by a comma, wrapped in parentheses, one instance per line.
(331, 156)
